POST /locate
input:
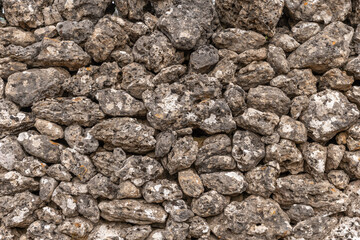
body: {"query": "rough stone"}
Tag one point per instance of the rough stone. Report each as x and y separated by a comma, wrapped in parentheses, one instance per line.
(254, 74)
(302, 31)
(75, 227)
(178, 210)
(336, 80)
(80, 139)
(136, 80)
(291, 129)
(190, 183)
(10, 153)
(226, 183)
(300, 212)
(277, 59)
(209, 204)
(26, 14)
(50, 129)
(315, 156)
(235, 97)
(285, 41)
(203, 59)
(161, 190)
(78, 32)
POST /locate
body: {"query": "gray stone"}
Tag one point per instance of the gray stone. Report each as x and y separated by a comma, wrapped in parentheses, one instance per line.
(47, 187)
(136, 80)
(209, 204)
(30, 167)
(13, 182)
(203, 59)
(338, 178)
(251, 55)
(300, 212)
(254, 74)
(161, 190)
(298, 105)
(58, 172)
(108, 163)
(315, 156)
(337, 80)
(26, 14)
(164, 142)
(291, 129)
(10, 152)
(352, 67)
(199, 228)
(178, 210)
(346, 228)
(235, 98)
(302, 31)
(169, 74)
(78, 32)
(16, 36)
(284, 41)
(190, 183)
(75, 227)
(50, 129)
(80, 139)
(315, 227)
(226, 183)
(87, 206)
(277, 59)
(335, 154)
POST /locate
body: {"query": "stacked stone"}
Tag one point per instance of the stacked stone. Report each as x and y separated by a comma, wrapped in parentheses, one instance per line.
(178, 119)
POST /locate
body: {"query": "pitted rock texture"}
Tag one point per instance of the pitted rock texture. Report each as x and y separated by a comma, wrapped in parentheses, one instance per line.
(179, 120)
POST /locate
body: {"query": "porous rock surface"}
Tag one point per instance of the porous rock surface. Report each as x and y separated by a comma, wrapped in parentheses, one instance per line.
(179, 119)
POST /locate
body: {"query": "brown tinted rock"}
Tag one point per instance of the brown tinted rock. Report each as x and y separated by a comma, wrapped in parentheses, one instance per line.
(327, 49)
(271, 139)
(59, 172)
(16, 36)
(291, 129)
(41, 229)
(209, 204)
(179, 230)
(169, 74)
(154, 51)
(353, 95)
(277, 59)
(101, 186)
(298, 105)
(352, 67)
(258, 15)
(104, 231)
(254, 74)
(327, 103)
(302, 31)
(132, 211)
(284, 41)
(257, 216)
(136, 79)
(300, 212)
(254, 120)
(57, 53)
(13, 182)
(48, 31)
(339, 178)
(128, 190)
(10, 152)
(75, 227)
(190, 183)
(178, 210)
(315, 157)
(248, 150)
(30, 167)
(52, 130)
(186, 24)
(227, 183)
(127, 133)
(26, 14)
(335, 154)
(28, 87)
(350, 163)
(203, 59)
(78, 32)
(119, 103)
(238, 40)
(224, 71)
(161, 190)
(80, 139)
(199, 228)
(346, 228)
(268, 99)
(251, 55)
(164, 141)
(303, 189)
(47, 187)
(49, 215)
(314, 227)
(108, 163)
(140, 169)
(235, 98)
(262, 179)
(131, 9)
(337, 80)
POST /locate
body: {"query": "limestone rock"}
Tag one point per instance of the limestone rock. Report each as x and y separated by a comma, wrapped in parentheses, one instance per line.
(209, 204)
(226, 183)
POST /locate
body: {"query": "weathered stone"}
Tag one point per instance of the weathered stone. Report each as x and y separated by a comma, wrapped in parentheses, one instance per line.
(59, 172)
(248, 150)
(182, 155)
(87, 206)
(254, 74)
(199, 228)
(224, 71)
(101, 186)
(336, 79)
(238, 40)
(134, 10)
(28, 87)
(40, 146)
(10, 152)
(327, 103)
(30, 167)
(350, 163)
(47, 187)
(128, 190)
(268, 99)
(277, 59)
(303, 189)
(108, 163)
(49, 215)
(179, 230)
(164, 141)
(298, 105)
(122, 58)
(335, 154)
(178, 210)
(161, 190)
(78, 32)
(163, 234)
(203, 59)
(291, 129)
(186, 24)
(132, 211)
(169, 74)
(315, 227)
(296, 82)
(16, 36)
(8, 67)
(352, 67)
(26, 14)
(271, 139)
(80, 139)
(327, 49)
(52, 130)
(140, 169)
(75, 227)
(154, 51)
(48, 31)
(41, 229)
(55, 53)
(353, 95)
(251, 55)
(136, 79)
(315, 156)
(346, 228)
(257, 216)
(258, 15)
(302, 31)
(104, 231)
(262, 179)
(235, 98)
(300, 212)
(201, 87)
(190, 183)
(325, 11)
(284, 41)
(287, 155)
(254, 120)
(227, 183)
(127, 133)
(209, 204)
(78, 164)
(339, 178)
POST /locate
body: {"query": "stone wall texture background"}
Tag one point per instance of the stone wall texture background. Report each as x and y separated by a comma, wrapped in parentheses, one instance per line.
(179, 119)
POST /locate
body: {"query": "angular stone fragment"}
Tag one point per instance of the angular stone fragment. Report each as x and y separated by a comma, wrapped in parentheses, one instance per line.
(154, 51)
(300, 212)
(339, 178)
(101, 186)
(258, 15)
(248, 150)
(41, 229)
(335, 154)
(315, 156)
(30, 167)
(277, 59)
(10, 153)
(67, 111)
(353, 95)
(209, 204)
(128, 190)
(251, 55)
(75, 11)
(224, 71)
(238, 40)
(328, 113)
(47, 187)
(262, 179)
(75, 227)
(132, 211)
(134, 10)
(287, 155)
(55, 53)
(303, 189)
(127, 133)
(26, 14)
(291, 129)
(59, 172)
(80, 139)
(108, 163)
(203, 59)
(49, 215)
(262, 123)
(199, 228)
(87, 206)
(48, 31)
(136, 79)
(337, 80)
(52, 130)
(16, 36)
(298, 105)
(186, 24)
(78, 164)
(271, 139)
(227, 183)
(325, 11)
(119, 103)
(12, 120)
(235, 98)
(190, 183)
(104, 231)
(178, 210)
(163, 234)
(161, 190)
(346, 228)
(169, 74)
(350, 163)
(268, 99)
(296, 82)
(254, 74)
(140, 169)
(327, 49)
(40, 146)
(302, 31)
(164, 141)
(8, 67)
(28, 87)
(315, 227)
(179, 230)
(352, 67)
(284, 41)
(78, 32)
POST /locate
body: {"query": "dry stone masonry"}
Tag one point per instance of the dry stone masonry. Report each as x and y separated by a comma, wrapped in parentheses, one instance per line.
(179, 119)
